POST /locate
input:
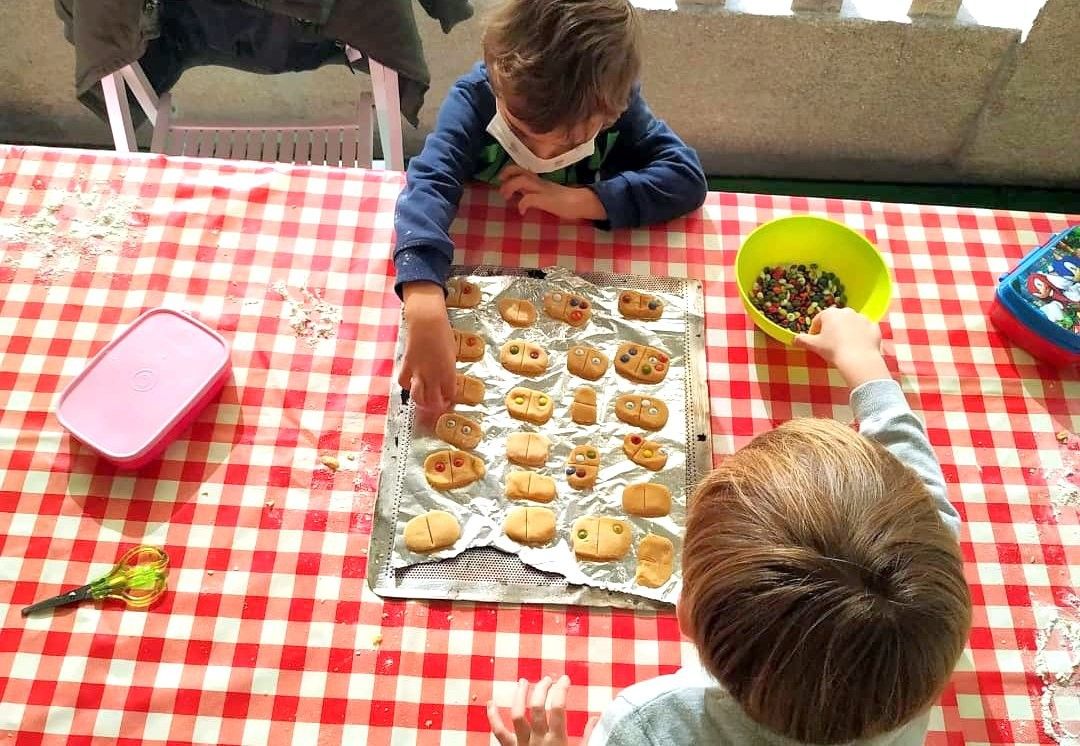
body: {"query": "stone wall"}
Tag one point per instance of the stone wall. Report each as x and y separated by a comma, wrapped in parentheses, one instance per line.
(816, 94)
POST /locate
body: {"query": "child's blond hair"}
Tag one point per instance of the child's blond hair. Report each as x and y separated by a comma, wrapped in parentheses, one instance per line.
(821, 587)
(559, 62)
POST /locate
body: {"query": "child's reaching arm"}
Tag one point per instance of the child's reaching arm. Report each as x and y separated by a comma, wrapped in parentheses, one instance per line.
(852, 344)
(423, 250)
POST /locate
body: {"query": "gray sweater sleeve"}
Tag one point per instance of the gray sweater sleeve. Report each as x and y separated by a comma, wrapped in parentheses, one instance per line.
(885, 417)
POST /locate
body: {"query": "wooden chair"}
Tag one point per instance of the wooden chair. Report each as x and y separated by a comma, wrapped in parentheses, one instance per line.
(346, 143)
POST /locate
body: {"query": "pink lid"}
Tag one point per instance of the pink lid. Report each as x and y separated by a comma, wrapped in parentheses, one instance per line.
(142, 383)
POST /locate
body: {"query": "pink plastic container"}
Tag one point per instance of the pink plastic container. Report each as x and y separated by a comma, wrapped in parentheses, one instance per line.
(145, 387)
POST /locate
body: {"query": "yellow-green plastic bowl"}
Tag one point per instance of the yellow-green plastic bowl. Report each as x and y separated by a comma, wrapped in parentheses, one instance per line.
(806, 239)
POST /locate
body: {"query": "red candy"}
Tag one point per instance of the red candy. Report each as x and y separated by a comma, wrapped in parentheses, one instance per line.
(581, 473)
(575, 315)
(440, 466)
(534, 355)
(470, 341)
(635, 439)
(459, 462)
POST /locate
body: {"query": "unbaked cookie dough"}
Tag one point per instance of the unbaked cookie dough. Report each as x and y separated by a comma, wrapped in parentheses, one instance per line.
(517, 312)
(532, 526)
(448, 470)
(528, 485)
(642, 452)
(458, 431)
(637, 305)
(655, 559)
(523, 358)
(529, 405)
(646, 499)
(460, 293)
(527, 449)
(586, 362)
(583, 410)
(600, 539)
(431, 531)
(470, 347)
(641, 363)
(582, 467)
(573, 309)
(468, 389)
(648, 412)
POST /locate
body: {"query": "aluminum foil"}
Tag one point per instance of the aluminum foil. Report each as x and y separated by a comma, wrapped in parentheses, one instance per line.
(482, 507)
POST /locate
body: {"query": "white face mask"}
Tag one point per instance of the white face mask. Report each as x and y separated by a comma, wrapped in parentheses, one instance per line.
(505, 135)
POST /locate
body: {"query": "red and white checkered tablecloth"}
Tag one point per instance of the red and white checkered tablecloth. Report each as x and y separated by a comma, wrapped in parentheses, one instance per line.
(268, 629)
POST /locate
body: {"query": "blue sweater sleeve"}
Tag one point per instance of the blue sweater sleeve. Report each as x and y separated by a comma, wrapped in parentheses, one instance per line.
(433, 185)
(666, 180)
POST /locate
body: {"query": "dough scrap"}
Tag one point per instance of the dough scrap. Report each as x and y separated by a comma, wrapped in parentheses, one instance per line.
(655, 561)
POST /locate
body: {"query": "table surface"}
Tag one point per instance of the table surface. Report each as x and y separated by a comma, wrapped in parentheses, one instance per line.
(269, 628)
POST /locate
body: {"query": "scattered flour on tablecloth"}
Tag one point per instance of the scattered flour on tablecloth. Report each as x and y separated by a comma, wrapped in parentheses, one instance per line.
(1057, 660)
(68, 228)
(311, 318)
(1063, 484)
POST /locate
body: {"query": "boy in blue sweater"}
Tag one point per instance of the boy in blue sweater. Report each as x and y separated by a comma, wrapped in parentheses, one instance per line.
(554, 117)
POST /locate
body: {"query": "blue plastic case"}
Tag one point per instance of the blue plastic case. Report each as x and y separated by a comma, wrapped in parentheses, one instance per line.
(1038, 303)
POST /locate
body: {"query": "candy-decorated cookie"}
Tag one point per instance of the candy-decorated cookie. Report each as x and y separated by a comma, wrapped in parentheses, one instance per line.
(641, 363)
(470, 347)
(523, 358)
(648, 412)
(586, 362)
(573, 309)
(458, 431)
(644, 452)
(460, 293)
(448, 470)
(529, 405)
(600, 539)
(636, 305)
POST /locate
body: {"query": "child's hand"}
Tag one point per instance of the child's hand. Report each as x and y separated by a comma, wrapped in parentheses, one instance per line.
(545, 724)
(529, 192)
(850, 342)
(428, 368)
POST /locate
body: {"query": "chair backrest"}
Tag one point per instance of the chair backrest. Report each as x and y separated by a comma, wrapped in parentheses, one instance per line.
(317, 138)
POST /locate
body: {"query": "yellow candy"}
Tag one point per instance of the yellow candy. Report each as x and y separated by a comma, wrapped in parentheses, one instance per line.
(647, 453)
(519, 400)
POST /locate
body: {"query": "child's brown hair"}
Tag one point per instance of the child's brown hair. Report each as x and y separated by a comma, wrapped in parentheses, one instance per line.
(820, 585)
(559, 62)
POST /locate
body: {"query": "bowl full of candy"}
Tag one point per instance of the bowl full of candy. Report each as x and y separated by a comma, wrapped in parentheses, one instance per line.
(791, 269)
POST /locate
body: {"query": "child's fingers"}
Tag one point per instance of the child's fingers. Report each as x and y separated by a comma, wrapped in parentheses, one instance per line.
(517, 712)
(519, 184)
(589, 729)
(556, 706)
(502, 734)
(532, 202)
(512, 170)
(538, 714)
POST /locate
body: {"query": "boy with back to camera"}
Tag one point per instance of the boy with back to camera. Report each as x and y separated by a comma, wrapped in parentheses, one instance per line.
(553, 116)
(823, 585)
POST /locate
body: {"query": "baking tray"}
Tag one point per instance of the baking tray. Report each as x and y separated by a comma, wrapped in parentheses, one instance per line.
(486, 573)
